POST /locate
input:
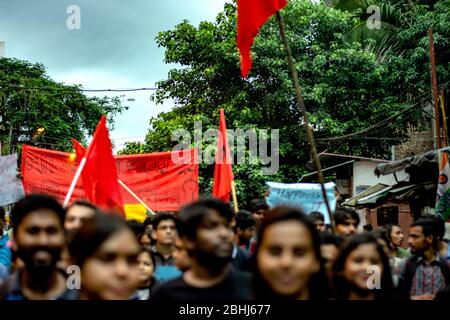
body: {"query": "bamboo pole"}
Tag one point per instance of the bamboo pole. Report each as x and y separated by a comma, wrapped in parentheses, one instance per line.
(134, 195)
(233, 194)
(301, 103)
(444, 116)
(435, 90)
(74, 182)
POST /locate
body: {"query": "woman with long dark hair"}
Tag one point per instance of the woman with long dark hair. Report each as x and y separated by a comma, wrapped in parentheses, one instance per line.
(287, 262)
(362, 271)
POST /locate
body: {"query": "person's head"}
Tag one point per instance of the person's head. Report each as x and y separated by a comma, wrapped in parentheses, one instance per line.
(2, 220)
(258, 208)
(319, 220)
(287, 258)
(180, 255)
(368, 227)
(146, 263)
(329, 250)
(245, 226)
(164, 229)
(204, 227)
(395, 234)
(422, 236)
(38, 233)
(144, 239)
(381, 234)
(346, 221)
(106, 251)
(361, 260)
(148, 225)
(136, 226)
(76, 213)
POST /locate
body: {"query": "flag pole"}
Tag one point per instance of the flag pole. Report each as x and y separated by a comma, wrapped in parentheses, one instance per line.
(233, 194)
(74, 182)
(301, 103)
(135, 196)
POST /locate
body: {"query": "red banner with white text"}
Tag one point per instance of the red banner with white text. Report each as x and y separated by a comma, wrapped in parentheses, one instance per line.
(165, 181)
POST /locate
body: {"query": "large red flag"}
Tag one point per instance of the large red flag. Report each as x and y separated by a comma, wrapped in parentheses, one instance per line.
(100, 180)
(252, 14)
(223, 172)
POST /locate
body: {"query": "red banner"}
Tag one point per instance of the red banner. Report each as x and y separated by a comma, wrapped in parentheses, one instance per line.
(164, 185)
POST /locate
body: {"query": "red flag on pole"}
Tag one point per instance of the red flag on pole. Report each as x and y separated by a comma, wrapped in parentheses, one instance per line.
(252, 14)
(223, 172)
(100, 173)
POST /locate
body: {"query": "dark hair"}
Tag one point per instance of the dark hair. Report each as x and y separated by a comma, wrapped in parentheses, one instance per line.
(429, 229)
(32, 203)
(316, 215)
(148, 221)
(327, 237)
(2, 214)
(342, 287)
(258, 204)
(318, 287)
(244, 220)
(150, 253)
(83, 203)
(136, 226)
(343, 213)
(439, 225)
(93, 233)
(368, 227)
(388, 228)
(162, 216)
(192, 215)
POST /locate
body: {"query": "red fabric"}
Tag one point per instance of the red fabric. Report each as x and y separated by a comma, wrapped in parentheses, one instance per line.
(79, 150)
(252, 14)
(100, 173)
(223, 172)
(164, 185)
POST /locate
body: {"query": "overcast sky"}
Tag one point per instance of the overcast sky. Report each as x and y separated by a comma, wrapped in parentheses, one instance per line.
(114, 48)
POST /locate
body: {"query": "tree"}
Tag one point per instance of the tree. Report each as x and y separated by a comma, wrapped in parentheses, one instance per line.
(36, 110)
(346, 89)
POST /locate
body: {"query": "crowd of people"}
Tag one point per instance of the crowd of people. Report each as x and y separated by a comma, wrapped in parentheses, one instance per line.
(207, 252)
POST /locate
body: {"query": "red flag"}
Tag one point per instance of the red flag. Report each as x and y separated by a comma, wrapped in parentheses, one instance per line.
(252, 14)
(223, 172)
(100, 173)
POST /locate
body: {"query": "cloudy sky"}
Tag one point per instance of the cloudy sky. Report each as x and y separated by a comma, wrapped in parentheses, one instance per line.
(114, 47)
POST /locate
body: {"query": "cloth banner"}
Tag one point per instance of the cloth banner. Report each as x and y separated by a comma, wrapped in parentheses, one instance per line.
(164, 185)
(306, 196)
(11, 188)
(443, 189)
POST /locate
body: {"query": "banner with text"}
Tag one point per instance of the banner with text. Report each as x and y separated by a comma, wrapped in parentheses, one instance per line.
(11, 188)
(162, 184)
(307, 196)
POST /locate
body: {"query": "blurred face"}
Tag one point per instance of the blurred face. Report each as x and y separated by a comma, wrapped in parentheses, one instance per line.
(146, 268)
(247, 234)
(113, 272)
(213, 244)
(286, 258)
(181, 256)
(165, 232)
(320, 225)
(75, 217)
(347, 227)
(397, 236)
(145, 240)
(39, 240)
(259, 215)
(417, 240)
(329, 253)
(356, 267)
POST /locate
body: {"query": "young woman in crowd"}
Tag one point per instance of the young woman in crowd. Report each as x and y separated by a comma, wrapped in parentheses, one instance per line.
(362, 271)
(147, 280)
(106, 251)
(287, 261)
